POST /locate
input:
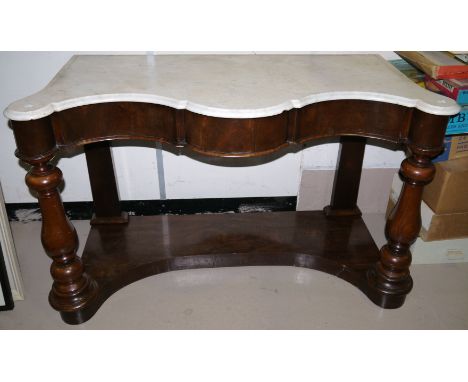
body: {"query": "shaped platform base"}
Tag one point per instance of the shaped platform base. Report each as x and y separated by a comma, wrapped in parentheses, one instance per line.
(117, 255)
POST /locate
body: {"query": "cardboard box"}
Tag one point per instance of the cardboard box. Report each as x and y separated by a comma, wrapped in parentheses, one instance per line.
(455, 147)
(439, 227)
(448, 192)
(433, 226)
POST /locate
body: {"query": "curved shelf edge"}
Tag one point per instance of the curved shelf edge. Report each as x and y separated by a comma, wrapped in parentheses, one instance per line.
(358, 278)
(118, 255)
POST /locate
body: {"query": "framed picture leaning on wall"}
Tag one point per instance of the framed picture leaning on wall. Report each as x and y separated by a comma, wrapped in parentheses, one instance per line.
(6, 298)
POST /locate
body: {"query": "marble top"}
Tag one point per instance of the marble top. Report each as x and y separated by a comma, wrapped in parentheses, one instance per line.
(229, 86)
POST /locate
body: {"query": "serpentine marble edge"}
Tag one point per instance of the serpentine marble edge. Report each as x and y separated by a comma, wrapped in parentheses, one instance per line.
(227, 86)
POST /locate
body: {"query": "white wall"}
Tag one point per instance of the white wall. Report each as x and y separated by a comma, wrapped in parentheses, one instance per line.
(23, 73)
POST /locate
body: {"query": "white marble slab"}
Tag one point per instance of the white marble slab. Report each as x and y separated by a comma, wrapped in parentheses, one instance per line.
(230, 86)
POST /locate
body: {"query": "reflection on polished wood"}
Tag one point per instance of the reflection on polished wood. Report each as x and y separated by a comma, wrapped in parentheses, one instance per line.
(117, 255)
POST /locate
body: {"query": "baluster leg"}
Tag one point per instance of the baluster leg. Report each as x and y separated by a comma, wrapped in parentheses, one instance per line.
(390, 280)
(72, 288)
(391, 277)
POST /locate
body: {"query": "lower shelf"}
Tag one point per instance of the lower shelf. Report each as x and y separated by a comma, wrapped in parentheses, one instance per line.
(117, 255)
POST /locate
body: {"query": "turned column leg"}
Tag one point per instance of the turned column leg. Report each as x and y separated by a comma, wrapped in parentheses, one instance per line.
(391, 278)
(74, 293)
(72, 288)
(390, 281)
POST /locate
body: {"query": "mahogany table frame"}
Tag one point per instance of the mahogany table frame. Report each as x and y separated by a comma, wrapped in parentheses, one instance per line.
(335, 241)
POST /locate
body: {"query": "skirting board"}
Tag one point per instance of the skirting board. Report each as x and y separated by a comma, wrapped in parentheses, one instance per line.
(9, 253)
(26, 212)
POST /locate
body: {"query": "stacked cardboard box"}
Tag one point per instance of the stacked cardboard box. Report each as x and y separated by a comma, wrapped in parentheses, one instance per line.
(444, 210)
(444, 229)
(445, 201)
